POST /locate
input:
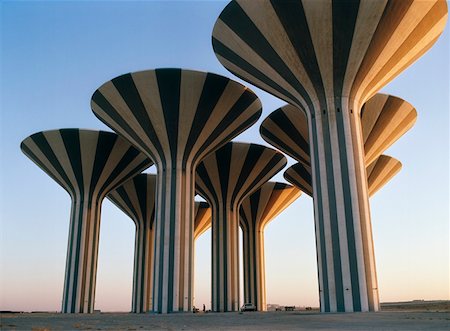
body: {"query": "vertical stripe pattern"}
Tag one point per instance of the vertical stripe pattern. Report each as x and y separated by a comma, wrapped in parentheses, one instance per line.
(255, 213)
(176, 117)
(300, 176)
(136, 198)
(328, 58)
(379, 173)
(384, 119)
(225, 178)
(87, 164)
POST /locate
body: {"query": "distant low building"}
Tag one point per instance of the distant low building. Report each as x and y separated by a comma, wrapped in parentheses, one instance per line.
(273, 307)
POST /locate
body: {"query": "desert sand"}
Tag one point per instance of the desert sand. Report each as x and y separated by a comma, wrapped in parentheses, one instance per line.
(401, 318)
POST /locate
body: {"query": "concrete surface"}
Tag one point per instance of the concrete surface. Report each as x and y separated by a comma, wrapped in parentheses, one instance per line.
(296, 320)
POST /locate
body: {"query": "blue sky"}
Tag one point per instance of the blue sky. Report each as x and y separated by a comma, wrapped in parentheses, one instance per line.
(53, 57)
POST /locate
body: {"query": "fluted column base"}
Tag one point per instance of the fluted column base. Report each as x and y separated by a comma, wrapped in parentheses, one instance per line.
(82, 256)
(174, 233)
(143, 270)
(345, 255)
(225, 259)
(254, 268)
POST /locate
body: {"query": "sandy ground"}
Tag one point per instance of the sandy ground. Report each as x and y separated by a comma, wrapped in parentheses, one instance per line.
(296, 320)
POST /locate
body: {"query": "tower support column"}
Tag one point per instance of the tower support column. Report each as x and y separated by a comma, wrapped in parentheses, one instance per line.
(225, 259)
(82, 257)
(174, 236)
(254, 267)
(346, 262)
(143, 268)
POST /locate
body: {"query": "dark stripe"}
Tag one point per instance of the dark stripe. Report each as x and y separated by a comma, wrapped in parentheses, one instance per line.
(169, 83)
(252, 158)
(238, 21)
(65, 185)
(137, 169)
(292, 16)
(254, 289)
(210, 196)
(131, 155)
(282, 121)
(276, 162)
(345, 14)
(334, 222)
(135, 259)
(223, 159)
(242, 103)
(144, 261)
(224, 221)
(159, 287)
(173, 190)
(280, 118)
(104, 104)
(71, 140)
(140, 186)
(280, 186)
(105, 145)
(213, 89)
(127, 89)
(215, 258)
(347, 196)
(43, 145)
(254, 204)
(77, 256)
(299, 170)
(94, 254)
(122, 194)
(231, 56)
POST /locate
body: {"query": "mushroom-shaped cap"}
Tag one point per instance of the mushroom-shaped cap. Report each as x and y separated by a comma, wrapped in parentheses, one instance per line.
(236, 170)
(384, 119)
(266, 203)
(136, 198)
(310, 52)
(300, 176)
(287, 129)
(202, 219)
(176, 114)
(379, 173)
(86, 163)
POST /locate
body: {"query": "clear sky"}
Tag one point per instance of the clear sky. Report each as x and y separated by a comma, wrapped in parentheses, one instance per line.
(53, 57)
